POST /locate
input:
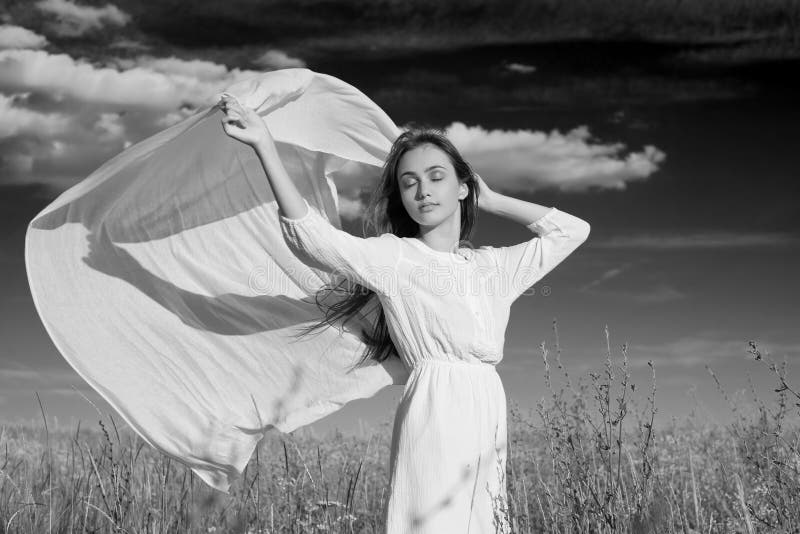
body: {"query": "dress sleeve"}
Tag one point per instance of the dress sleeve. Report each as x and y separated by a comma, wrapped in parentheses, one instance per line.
(522, 265)
(370, 262)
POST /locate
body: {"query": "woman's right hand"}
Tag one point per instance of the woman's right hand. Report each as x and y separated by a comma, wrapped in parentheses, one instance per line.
(243, 123)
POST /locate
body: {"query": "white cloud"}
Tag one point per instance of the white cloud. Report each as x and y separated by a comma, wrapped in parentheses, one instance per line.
(198, 69)
(101, 109)
(278, 59)
(21, 121)
(145, 94)
(170, 118)
(53, 145)
(350, 209)
(109, 126)
(522, 68)
(701, 240)
(524, 161)
(527, 160)
(74, 20)
(155, 84)
(19, 37)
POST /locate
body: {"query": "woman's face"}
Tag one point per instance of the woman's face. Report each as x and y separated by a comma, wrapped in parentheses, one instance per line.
(425, 174)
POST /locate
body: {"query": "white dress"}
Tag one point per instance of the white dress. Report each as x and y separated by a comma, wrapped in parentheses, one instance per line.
(447, 315)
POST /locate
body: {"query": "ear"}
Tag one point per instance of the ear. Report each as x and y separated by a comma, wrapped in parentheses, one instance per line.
(463, 191)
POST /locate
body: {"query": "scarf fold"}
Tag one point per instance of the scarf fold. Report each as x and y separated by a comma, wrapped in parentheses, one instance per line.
(164, 280)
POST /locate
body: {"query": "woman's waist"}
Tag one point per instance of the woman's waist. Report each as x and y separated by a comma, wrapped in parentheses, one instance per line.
(475, 364)
(455, 373)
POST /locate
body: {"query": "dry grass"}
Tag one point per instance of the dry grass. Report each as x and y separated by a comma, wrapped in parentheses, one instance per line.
(590, 461)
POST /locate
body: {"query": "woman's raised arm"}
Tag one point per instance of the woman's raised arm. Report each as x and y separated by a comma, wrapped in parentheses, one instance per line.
(559, 234)
(246, 125)
(370, 262)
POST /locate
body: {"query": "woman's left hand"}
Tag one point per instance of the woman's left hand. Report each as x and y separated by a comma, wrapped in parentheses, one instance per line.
(486, 194)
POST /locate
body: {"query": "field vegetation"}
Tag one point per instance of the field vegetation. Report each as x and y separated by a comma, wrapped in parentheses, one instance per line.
(589, 459)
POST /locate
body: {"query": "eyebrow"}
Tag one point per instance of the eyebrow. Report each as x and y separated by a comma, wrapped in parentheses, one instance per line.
(426, 170)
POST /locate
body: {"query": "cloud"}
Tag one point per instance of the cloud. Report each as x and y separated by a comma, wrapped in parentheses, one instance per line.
(165, 90)
(18, 37)
(196, 69)
(278, 59)
(156, 84)
(55, 147)
(605, 276)
(350, 209)
(356, 26)
(522, 68)
(121, 100)
(15, 164)
(21, 121)
(129, 44)
(622, 116)
(109, 126)
(757, 51)
(66, 116)
(653, 292)
(73, 20)
(526, 160)
(702, 240)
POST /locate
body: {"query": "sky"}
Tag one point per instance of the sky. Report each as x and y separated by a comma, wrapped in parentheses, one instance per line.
(680, 152)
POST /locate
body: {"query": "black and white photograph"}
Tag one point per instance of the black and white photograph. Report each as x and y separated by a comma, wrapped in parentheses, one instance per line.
(400, 266)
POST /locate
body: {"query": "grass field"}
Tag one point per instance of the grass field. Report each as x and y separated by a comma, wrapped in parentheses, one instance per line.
(588, 461)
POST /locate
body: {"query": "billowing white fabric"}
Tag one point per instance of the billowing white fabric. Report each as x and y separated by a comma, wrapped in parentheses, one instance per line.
(144, 276)
(447, 313)
(164, 280)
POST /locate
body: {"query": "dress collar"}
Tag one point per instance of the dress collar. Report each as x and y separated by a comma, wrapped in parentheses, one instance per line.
(463, 254)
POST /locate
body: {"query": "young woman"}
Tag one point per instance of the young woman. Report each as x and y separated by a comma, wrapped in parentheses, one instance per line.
(445, 308)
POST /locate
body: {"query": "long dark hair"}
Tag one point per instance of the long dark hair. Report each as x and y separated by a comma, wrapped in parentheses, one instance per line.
(385, 213)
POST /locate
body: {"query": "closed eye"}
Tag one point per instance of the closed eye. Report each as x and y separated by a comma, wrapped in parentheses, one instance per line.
(433, 180)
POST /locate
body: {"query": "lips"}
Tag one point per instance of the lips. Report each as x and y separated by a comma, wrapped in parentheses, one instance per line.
(427, 204)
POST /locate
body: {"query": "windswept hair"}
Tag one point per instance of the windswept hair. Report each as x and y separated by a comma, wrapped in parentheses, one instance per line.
(385, 213)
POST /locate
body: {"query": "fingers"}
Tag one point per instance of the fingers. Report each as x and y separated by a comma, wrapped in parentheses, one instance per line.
(227, 121)
(232, 109)
(229, 101)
